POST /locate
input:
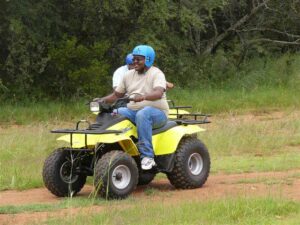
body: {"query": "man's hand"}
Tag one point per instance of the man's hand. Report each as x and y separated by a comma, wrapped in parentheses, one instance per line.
(139, 98)
(169, 85)
(98, 100)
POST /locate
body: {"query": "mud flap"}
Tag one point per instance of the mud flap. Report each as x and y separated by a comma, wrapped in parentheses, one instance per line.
(165, 163)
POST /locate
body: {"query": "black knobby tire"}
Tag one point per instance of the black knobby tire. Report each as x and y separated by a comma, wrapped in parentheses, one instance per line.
(192, 164)
(56, 177)
(145, 177)
(116, 175)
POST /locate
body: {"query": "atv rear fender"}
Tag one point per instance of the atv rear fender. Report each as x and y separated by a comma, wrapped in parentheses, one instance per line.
(167, 142)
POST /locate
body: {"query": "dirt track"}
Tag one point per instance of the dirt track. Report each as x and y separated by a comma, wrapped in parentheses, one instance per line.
(275, 184)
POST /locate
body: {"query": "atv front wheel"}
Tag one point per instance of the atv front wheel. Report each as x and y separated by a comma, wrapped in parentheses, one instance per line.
(59, 174)
(116, 175)
(192, 164)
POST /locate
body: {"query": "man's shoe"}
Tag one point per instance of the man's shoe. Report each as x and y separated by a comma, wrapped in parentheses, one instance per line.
(147, 163)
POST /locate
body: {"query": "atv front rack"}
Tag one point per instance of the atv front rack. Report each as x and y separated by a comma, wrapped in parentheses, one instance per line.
(87, 131)
(90, 130)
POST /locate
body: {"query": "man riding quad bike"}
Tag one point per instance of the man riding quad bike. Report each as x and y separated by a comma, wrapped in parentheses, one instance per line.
(107, 150)
(131, 144)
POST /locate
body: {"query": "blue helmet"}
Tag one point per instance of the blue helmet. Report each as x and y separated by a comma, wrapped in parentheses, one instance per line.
(146, 51)
(129, 59)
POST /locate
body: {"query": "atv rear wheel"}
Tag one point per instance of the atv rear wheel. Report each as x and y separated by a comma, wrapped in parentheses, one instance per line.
(116, 175)
(59, 176)
(145, 177)
(192, 164)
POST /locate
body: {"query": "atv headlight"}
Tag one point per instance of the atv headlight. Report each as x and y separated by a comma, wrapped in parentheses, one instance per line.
(94, 106)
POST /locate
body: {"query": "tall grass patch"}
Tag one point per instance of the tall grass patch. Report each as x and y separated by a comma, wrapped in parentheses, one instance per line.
(254, 142)
(23, 150)
(215, 101)
(266, 83)
(282, 71)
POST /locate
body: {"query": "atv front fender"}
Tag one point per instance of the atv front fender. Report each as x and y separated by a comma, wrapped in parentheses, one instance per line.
(167, 142)
(90, 140)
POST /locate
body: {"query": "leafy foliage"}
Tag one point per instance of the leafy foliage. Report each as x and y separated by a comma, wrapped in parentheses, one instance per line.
(78, 69)
(58, 49)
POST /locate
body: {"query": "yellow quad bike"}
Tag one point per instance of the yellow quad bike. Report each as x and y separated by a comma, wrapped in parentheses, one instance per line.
(107, 150)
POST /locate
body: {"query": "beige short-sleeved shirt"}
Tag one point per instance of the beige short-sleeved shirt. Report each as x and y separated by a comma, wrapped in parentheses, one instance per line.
(133, 82)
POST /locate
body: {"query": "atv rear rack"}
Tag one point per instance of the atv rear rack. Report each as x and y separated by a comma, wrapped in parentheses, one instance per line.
(185, 119)
(180, 115)
(172, 106)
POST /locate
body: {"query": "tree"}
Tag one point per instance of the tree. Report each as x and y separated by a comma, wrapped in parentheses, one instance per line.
(56, 43)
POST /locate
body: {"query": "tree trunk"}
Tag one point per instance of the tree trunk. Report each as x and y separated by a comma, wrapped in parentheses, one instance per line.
(216, 41)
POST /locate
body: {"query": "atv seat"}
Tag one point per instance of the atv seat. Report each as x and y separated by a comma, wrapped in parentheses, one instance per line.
(167, 126)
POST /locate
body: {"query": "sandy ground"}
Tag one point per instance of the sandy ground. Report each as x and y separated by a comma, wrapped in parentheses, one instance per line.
(276, 184)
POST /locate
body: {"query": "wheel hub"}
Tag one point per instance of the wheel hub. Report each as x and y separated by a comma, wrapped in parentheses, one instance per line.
(195, 163)
(67, 173)
(121, 177)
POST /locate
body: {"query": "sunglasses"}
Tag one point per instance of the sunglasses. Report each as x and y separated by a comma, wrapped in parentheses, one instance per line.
(138, 58)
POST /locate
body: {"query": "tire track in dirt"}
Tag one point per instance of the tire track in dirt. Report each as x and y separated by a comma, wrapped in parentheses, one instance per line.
(273, 184)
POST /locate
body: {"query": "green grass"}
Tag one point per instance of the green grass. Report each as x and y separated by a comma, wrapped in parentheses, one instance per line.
(49, 207)
(214, 100)
(27, 112)
(243, 211)
(150, 191)
(245, 163)
(23, 150)
(253, 142)
(237, 210)
(222, 211)
(12, 209)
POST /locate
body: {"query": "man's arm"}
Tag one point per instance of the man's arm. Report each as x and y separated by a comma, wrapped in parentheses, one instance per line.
(155, 95)
(112, 97)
